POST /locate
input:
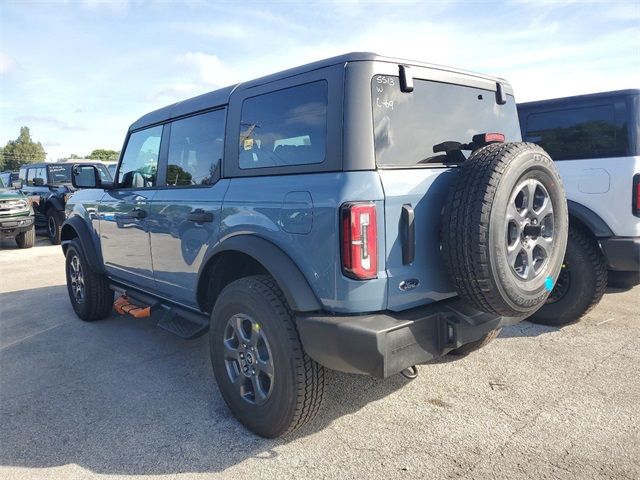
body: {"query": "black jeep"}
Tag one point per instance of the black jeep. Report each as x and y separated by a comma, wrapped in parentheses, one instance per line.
(52, 183)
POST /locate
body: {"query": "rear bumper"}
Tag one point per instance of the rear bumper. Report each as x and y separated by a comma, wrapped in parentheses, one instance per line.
(384, 343)
(11, 227)
(623, 253)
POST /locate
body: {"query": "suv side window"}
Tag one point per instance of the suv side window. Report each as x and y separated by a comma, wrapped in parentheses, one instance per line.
(285, 127)
(195, 149)
(41, 173)
(583, 132)
(139, 166)
(32, 173)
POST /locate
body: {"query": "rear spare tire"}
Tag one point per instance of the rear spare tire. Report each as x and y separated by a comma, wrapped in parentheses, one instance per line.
(504, 229)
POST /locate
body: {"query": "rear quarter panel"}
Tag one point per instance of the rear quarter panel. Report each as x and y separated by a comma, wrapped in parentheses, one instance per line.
(256, 205)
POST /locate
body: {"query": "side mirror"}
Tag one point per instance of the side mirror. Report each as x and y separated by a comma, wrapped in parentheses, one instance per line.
(38, 182)
(17, 184)
(85, 176)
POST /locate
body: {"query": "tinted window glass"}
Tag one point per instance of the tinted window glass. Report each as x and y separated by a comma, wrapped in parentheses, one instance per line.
(23, 174)
(587, 132)
(139, 167)
(195, 149)
(31, 174)
(407, 126)
(60, 173)
(287, 127)
(41, 173)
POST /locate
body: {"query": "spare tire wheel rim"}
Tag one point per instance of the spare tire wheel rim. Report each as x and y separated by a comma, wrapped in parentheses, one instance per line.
(529, 230)
(248, 359)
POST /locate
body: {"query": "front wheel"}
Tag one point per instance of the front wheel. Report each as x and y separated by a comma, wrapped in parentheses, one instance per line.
(264, 375)
(580, 286)
(26, 239)
(54, 226)
(89, 292)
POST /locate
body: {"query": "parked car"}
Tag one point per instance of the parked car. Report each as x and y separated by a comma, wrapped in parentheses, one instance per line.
(9, 178)
(595, 140)
(362, 213)
(51, 182)
(16, 216)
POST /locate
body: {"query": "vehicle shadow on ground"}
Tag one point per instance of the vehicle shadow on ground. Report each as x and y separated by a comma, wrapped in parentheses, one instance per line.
(122, 396)
(9, 243)
(526, 329)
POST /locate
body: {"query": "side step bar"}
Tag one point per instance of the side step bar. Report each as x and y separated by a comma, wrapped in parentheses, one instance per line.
(175, 319)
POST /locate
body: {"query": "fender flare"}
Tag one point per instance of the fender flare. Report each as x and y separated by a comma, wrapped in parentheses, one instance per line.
(75, 227)
(285, 272)
(590, 219)
(54, 202)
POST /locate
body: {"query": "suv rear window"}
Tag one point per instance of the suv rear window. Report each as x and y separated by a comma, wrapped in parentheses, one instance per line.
(408, 125)
(286, 127)
(572, 133)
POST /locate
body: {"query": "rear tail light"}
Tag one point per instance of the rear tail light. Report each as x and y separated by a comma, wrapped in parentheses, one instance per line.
(359, 237)
(635, 202)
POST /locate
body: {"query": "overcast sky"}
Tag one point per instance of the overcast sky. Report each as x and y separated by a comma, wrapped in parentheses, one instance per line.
(78, 72)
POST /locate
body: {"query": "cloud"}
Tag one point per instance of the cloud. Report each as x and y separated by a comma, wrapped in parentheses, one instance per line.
(7, 63)
(228, 31)
(49, 120)
(200, 73)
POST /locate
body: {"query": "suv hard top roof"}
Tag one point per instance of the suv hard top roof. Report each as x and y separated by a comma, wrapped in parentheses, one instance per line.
(221, 96)
(589, 96)
(46, 164)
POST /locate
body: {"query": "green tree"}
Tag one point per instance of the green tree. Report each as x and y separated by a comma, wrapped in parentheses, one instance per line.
(104, 155)
(21, 150)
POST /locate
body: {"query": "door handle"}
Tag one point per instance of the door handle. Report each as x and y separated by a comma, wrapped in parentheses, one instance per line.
(200, 216)
(138, 213)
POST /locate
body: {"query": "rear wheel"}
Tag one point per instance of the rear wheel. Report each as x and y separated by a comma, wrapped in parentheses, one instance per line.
(26, 239)
(89, 292)
(54, 226)
(580, 286)
(504, 229)
(264, 375)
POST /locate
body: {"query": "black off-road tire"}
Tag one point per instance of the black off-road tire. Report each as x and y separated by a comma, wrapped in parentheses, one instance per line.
(581, 284)
(470, 347)
(475, 228)
(54, 226)
(98, 297)
(298, 381)
(26, 239)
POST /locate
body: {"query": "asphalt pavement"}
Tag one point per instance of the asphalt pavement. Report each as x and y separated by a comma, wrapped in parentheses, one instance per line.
(122, 398)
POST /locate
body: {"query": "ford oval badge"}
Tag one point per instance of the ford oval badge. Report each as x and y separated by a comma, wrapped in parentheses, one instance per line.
(409, 284)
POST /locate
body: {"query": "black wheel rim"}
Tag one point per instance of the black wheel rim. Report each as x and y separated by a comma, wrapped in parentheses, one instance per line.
(52, 226)
(248, 359)
(529, 229)
(77, 279)
(561, 287)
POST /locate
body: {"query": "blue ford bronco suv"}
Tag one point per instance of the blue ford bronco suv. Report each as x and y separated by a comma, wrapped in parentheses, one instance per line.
(361, 213)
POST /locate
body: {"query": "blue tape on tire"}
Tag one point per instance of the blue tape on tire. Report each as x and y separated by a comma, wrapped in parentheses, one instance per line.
(548, 284)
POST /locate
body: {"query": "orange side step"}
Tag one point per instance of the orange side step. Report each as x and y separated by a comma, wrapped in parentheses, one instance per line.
(123, 305)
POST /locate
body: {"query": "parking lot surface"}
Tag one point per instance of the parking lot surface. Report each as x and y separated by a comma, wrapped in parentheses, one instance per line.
(122, 398)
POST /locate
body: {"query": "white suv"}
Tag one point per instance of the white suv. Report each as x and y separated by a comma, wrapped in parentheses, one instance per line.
(595, 140)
